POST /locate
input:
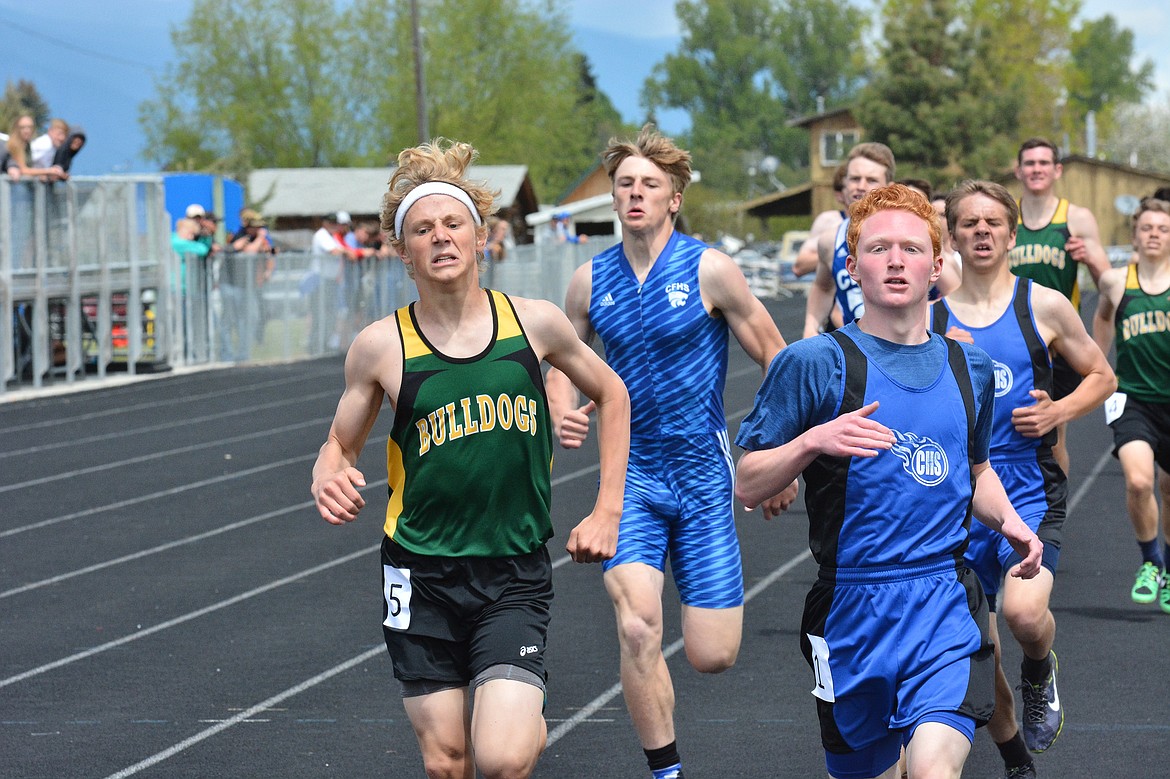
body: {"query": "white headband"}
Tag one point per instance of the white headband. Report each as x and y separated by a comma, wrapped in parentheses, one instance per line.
(432, 188)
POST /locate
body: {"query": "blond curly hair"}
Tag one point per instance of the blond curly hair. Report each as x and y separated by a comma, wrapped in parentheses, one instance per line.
(439, 160)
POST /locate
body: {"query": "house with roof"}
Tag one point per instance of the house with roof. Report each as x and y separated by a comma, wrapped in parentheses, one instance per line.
(293, 200)
(831, 135)
(1105, 188)
(588, 203)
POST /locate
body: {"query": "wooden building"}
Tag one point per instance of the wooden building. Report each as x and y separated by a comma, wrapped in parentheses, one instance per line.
(1094, 184)
(830, 135)
(295, 199)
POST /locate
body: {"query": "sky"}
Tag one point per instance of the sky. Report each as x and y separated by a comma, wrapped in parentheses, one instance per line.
(95, 62)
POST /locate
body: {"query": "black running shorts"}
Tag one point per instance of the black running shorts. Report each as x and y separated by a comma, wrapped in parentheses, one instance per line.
(446, 619)
(1149, 422)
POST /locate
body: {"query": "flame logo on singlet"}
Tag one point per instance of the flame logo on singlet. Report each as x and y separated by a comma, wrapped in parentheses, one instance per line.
(921, 457)
(1003, 378)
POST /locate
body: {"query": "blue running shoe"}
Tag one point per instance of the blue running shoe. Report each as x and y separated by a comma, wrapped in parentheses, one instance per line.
(1043, 716)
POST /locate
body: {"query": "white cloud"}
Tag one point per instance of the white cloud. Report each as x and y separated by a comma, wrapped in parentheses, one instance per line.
(633, 18)
(1150, 23)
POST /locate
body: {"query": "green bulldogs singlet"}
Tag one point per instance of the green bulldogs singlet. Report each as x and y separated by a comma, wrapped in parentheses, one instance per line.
(1039, 255)
(469, 457)
(1143, 342)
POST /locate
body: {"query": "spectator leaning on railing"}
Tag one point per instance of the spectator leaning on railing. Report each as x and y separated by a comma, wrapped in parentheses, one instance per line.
(253, 241)
(44, 147)
(63, 157)
(18, 157)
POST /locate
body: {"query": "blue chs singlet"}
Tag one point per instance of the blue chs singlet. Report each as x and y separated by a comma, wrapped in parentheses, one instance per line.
(1021, 363)
(912, 503)
(848, 293)
(659, 338)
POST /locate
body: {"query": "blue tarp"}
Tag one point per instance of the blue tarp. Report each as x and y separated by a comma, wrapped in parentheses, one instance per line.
(184, 189)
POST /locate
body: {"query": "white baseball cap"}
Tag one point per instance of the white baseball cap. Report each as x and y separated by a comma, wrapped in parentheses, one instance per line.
(195, 211)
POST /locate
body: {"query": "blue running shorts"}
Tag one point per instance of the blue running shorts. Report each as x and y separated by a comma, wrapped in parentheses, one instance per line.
(678, 505)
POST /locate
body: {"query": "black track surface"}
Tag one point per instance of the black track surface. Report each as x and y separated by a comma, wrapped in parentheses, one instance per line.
(172, 606)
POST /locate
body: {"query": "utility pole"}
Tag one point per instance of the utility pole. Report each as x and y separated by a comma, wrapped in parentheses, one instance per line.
(420, 78)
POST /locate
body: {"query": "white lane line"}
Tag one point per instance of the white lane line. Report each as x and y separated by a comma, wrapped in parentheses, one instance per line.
(153, 550)
(1093, 474)
(223, 604)
(191, 539)
(600, 701)
(155, 495)
(216, 606)
(259, 708)
(137, 406)
(164, 426)
(164, 453)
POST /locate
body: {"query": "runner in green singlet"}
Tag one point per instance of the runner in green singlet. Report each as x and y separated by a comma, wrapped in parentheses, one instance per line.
(467, 579)
(1134, 310)
(1053, 239)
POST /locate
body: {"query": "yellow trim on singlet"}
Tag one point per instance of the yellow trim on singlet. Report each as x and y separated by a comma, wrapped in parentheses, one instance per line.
(1060, 216)
(1131, 278)
(508, 323)
(396, 475)
(412, 343)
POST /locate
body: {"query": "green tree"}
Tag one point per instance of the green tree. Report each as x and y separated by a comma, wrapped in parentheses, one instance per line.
(255, 83)
(744, 68)
(1139, 137)
(1100, 76)
(517, 90)
(19, 99)
(914, 104)
(960, 82)
(818, 55)
(598, 110)
(1022, 54)
(305, 83)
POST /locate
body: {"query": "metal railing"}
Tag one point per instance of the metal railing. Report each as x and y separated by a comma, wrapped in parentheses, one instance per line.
(89, 285)
(76, 259)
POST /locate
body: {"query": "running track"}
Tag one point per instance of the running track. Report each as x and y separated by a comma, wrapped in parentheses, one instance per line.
(172, 606)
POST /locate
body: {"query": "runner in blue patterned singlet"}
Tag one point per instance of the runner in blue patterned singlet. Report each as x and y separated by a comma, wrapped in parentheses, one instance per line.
(466, 575)
(891, 427)
(663, 304)
(1017, 322)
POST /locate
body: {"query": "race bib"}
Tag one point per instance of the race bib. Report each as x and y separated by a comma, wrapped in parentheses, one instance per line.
(822, 676)
(396, 590)
(1114, 407)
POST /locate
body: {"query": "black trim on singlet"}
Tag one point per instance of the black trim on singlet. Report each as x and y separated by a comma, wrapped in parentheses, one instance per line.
(826, 476)
(962, 374)
(940, 318)
(1042, 377)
